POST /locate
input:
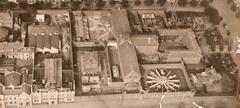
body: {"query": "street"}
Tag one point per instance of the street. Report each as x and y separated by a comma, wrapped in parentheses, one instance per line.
(134, 101)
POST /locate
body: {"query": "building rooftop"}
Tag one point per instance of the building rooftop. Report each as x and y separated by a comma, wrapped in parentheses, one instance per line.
(15, 83)
(145, 40)
(120, 21)
(128, 62)
(177, 40)
(5, 19)
(53, 71)
(43, 29)
(90, 62)
(44, 41)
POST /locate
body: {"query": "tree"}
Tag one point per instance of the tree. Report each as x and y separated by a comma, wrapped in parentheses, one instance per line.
(112, 3)
(229, 1)
(23, 5)
(237, 15)
(100, 3)
(137, 2)
(213, 15)
(64, 5)
(204, 3)
(75, 5)
(161, 2)
(234, 7)
(148, 2)
(125, 3)
(12, 5)
(193, 3)
(182, 3)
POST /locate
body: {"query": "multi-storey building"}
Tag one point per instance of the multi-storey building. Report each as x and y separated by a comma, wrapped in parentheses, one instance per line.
(16, 50)
(15, 89)
(178, 45)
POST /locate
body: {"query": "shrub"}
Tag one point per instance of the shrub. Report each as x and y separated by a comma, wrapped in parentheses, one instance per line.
(148, 2)
(137, 2)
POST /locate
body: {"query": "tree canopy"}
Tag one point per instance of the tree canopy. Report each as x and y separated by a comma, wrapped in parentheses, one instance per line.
(148, 2)
(193, 3)
(100, 3)
(125, 3)
(204, 3)
(137, 2)
(213, 15)
(161, 2)
(182, 3)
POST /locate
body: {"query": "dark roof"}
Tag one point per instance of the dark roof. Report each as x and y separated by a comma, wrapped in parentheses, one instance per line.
(40, 41)
(12, 78)
(47, 41)
(128, 62)
(44, 41)
(55, 41)
(32, 41)
(38, 29)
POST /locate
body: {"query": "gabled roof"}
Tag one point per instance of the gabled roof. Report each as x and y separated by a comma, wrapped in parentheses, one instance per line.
(12, 78)
(128, 62)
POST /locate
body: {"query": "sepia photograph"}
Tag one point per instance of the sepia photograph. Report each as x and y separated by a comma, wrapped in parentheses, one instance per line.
(119, 53)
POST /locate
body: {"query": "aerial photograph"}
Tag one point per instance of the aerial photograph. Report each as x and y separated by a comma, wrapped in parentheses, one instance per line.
(119, 53)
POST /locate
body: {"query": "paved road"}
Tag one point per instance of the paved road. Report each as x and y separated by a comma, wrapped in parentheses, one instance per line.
(114, 101)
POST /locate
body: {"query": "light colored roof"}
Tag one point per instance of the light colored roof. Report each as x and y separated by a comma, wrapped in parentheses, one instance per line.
(5, 18)
(120, 21)
(185, 37)
(145, 40)
(53, 70)
(128, 62)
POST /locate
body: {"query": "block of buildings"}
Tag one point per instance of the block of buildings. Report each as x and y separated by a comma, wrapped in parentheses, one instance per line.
(16, 50)
(145, 44)
(56, 85)
(15, 88)
(178, 45)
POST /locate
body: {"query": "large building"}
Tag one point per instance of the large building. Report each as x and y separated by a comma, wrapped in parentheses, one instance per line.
(44, 38)
(178, 45)
(53, 72)
(53, 84)
(145, 44)
(16, 50)
(15, 88)
(129, 67)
